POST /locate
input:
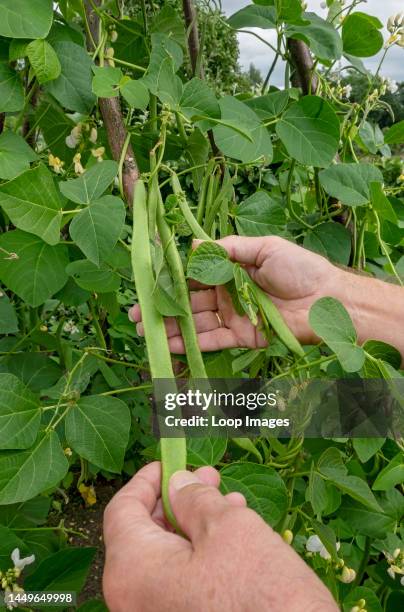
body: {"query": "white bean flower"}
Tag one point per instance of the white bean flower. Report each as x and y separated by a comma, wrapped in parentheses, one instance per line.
(19, 563)
(315, 545)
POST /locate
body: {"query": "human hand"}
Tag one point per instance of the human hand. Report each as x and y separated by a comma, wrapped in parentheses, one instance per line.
(232, 560)
(293, 277)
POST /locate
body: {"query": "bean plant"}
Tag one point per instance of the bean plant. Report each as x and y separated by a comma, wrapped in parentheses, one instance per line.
(117, 149)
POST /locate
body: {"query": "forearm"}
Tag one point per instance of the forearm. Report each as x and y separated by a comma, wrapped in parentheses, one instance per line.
(376, 307)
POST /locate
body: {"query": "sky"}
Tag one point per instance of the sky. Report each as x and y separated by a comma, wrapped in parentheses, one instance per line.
(252, 50)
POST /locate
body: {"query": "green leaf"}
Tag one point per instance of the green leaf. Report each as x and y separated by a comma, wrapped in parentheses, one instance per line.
(106, 81)
(15, 155)
(17, 49)
(36, 370)
(92, 278)
(198, 99)
(44, 61)
(163, 47)
(39, 271)
(11, 90)
(96, 229)
(372, 600)
(395, 134)
(371, 137)
(66, 570)
(72, 89)
(25, 473)
(205, 451)
(168, 21)
(209, 264)
(8, 542)
(169, 85)
(136, 94)
(97, 428)
(321, 36)
(167, 304)
(331, 240)
(8, 316)
(260, 215)
(366, 448)
(356, 488)
(391, 475)
(33, 203)
(26, 514)
(317, 493)
(262, 487)
(381, 350)
(349, 183)
(381, 204)
(309, 129)
(55, 126)
(231, 142)
(254, 17)
(366, 522)
(90, 185)
(20, 414)
(269, 106)
(25, 18)
(287, 10)
(332, 323)
(361, 36)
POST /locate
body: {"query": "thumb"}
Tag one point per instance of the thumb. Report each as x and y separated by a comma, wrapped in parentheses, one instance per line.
(246, 250)
(195, 505)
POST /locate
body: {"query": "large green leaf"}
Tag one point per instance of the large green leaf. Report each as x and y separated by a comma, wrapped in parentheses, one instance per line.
(395, 134)
(391, 475)
(169, 85)
(37, 272)
(332, 323)
(234, 144)
(366, 448)
(310, 129)
(205, 451)
(25, 18)
(20, 414)
(198, 99)
(366, 522)
(36, 370)
(11, 90)
(26, 514)
(96, 229)
(321, 36)
(72, 89)
(269, 106)
(25, 473)
(349, 183)
(358, 489)
(90, 185)
(92, 278)
(64, 571)
(44, 61)
(163, 47)
(15, 155)
(209, 263)
(8, 542)
(331, 240)
(33, 203)
(135, 93)
(262, 487)
(55, 126)
(260, 215)
(253, 17)
(372, 600)
(361, 36)
(8, 316)
(106, 81)
(98, 429)
(381, 203)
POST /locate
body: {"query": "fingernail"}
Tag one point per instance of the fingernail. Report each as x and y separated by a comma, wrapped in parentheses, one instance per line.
(130, 316)
(182, 479)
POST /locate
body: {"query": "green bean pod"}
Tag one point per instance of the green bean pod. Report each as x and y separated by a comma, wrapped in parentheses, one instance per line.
(173, 450)
(186, 211)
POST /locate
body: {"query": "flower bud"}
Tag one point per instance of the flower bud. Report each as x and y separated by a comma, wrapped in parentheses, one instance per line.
(362, 603)
(114, 36)
(347, 575)
(287, 536)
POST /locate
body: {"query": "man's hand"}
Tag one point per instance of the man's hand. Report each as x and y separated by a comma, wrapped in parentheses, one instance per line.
(293, 277)
(229, 559)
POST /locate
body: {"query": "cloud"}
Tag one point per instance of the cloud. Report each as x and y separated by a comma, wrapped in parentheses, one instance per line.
(254, 51)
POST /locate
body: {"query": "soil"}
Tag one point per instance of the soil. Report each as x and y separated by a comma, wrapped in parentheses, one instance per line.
(88, 521)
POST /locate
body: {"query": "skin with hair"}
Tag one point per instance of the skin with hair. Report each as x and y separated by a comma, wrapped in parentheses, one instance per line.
(229, 559)
(294, 278)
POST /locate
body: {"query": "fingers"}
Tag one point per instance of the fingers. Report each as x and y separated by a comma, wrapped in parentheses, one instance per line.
(195, 504)
(134, 503)
(201, 301)
(216, 340)
(246, 250)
